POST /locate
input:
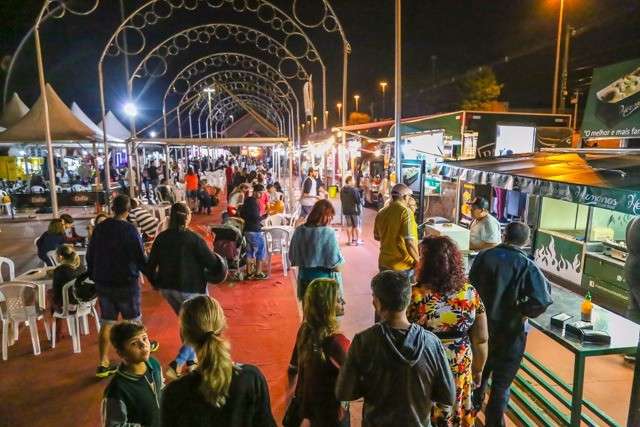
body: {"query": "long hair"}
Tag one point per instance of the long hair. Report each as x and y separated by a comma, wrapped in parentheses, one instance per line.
(441, 267)
(321, 214)
(202, 322)
(69, 256)
(56, 226)
(178, 216)
(320, 321)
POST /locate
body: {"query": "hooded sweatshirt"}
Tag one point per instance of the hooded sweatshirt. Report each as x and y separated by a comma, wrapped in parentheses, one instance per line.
(399, 373)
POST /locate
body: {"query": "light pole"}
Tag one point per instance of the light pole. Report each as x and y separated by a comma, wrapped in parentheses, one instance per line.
(209, 91)
(569, 32)
(130, 110)
(357, 99)
(398, 88)
(339, 107)
(554, 105)
(383, 86)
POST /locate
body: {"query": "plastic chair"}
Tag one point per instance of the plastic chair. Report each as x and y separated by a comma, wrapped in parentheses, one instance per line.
(278, 242)
(7, 207)
(276, 220)
(37, 189)
(21, 302)
(12, 269)
(53, 257)
(73, 313)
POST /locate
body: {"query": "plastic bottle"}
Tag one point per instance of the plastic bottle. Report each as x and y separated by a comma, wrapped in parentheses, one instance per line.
(586, 308)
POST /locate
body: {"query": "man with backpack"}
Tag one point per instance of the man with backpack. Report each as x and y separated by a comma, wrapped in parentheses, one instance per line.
(512, 288)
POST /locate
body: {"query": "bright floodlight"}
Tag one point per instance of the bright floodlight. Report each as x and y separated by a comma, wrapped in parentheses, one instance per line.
(209, 89)
(130, 109)
(153, 134)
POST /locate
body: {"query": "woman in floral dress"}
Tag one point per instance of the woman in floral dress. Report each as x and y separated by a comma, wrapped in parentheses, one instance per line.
(444, 303)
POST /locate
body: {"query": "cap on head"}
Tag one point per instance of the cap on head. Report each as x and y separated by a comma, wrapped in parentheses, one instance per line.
(479, 203)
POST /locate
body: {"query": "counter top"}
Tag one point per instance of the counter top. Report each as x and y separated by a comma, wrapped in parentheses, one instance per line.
(606, 258)
(624, 333)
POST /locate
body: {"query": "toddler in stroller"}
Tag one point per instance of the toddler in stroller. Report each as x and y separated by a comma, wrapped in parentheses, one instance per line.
(229, 243)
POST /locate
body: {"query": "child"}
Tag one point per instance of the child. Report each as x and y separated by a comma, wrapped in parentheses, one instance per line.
(69, 268)
(133, 396)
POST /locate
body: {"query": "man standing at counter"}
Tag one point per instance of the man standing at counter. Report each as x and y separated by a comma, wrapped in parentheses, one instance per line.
(485, 229)
(512, 288)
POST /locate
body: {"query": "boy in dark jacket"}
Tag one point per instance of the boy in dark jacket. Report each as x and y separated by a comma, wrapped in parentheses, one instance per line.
(256, 244)
(132, 398)
(398, 367)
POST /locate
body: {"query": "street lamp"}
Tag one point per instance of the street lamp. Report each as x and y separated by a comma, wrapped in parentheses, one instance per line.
(153, 134)
(383, 86)
(554, 105)
(339, 107)
(130, 109)
(357, 98)
(209, 91)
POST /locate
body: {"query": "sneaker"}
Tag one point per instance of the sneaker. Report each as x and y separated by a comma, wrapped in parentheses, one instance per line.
(154, 346)
(172, 372)
(105, 371)
(259, 276)
(630, 358)
(192, 365)
(360, 243)
(349, 243)
(250, 276)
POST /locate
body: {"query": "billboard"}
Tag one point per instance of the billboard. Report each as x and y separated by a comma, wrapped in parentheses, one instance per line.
(613, 105)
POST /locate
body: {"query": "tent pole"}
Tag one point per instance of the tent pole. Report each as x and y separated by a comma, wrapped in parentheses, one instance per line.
(47, 124)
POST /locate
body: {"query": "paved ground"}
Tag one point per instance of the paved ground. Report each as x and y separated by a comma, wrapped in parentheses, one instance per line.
(58, 387)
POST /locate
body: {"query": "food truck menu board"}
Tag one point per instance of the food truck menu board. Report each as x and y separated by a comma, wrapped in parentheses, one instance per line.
(613, 105)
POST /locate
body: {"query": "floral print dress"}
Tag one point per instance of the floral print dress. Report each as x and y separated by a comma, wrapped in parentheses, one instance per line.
(450, 316)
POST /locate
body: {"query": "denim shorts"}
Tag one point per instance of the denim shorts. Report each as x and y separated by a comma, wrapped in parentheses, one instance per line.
(127, 306)
(256, 245)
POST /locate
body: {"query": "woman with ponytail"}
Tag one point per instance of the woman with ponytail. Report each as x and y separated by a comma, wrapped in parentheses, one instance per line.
(179, 264)
(319, 353)
(219, 392)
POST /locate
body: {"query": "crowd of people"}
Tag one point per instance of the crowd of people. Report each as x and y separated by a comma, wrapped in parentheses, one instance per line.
(438, 335)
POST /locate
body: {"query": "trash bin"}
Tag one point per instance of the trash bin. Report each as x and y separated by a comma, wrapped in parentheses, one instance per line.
(333, 191)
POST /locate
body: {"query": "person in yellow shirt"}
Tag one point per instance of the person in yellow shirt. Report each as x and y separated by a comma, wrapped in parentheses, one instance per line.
(396, 230)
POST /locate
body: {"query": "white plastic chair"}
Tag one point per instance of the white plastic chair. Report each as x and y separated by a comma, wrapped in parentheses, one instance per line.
(5, 206)
(278, 242)
(12, 269)
(37, 189)
(73, 313)
(20, 302)
(276, 220)
(53, 257)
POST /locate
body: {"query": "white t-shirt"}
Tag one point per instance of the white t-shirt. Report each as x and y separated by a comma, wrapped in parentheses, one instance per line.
(486, 230)
(312, 193)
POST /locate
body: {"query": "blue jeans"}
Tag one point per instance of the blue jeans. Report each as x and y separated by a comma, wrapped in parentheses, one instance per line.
(175, 299)
(505, 355)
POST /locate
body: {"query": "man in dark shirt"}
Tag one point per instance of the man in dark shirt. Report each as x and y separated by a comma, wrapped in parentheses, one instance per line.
(512, 288)
(115, 258)
(351, 209)
(398, 367)
(256, 245)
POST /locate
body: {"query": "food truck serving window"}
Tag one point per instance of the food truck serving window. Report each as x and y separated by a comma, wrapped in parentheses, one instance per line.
(608, 225)
(515, 139)
(564, 217)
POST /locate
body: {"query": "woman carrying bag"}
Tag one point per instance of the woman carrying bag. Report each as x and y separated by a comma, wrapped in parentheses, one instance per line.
(318, 355)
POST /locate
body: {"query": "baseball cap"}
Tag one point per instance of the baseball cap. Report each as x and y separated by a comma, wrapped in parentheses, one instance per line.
(479, 202)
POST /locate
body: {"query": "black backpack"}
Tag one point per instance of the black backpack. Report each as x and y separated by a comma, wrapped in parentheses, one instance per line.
(84, 289)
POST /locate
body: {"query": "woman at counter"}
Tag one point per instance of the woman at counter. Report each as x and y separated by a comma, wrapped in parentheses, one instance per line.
(50, 240)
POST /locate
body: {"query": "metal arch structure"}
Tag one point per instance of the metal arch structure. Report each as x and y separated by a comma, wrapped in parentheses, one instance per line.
(227, 106)
(217, 60)
(238, 78)
(246, 81)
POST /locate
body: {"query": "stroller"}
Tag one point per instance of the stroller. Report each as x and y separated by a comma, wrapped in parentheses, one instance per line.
(229, 243)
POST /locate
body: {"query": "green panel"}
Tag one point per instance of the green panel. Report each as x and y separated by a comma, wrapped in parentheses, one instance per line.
(559, 256)
(448, 122)
(605, 271)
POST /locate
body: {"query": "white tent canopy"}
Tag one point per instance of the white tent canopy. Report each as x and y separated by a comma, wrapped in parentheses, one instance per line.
(77, 111)
(114, 127)
(63, 124)
(13, 111)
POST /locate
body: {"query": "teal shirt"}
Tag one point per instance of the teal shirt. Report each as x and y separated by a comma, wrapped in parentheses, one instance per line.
(133, 400)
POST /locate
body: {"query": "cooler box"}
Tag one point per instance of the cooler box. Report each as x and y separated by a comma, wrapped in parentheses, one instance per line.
(458, 234)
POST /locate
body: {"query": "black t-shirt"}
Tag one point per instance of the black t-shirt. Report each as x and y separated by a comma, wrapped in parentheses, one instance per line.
(247, 405)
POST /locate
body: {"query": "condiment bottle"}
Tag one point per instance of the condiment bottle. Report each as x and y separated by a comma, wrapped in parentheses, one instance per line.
(586, 308)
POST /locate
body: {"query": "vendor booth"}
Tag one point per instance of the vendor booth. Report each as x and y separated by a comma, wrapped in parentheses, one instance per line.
(578, 204)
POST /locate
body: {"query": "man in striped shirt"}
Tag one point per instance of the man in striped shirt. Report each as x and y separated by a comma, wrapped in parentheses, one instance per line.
(143, 219)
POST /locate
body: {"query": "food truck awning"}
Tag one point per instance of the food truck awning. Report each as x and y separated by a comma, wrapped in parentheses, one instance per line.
(608, 180)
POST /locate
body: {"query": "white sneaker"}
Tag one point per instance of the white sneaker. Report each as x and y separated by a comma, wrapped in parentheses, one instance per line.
(360, 243)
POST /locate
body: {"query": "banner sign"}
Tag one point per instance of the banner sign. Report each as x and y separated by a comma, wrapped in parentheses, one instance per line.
(613, 105)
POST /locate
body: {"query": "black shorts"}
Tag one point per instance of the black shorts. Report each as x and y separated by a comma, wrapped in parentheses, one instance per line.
(353, 221)
(113, 305)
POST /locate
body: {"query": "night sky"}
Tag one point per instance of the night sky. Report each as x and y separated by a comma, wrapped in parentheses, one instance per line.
(459, 34)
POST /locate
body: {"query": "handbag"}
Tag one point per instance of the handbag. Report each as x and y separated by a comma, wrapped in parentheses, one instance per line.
(292, 416)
